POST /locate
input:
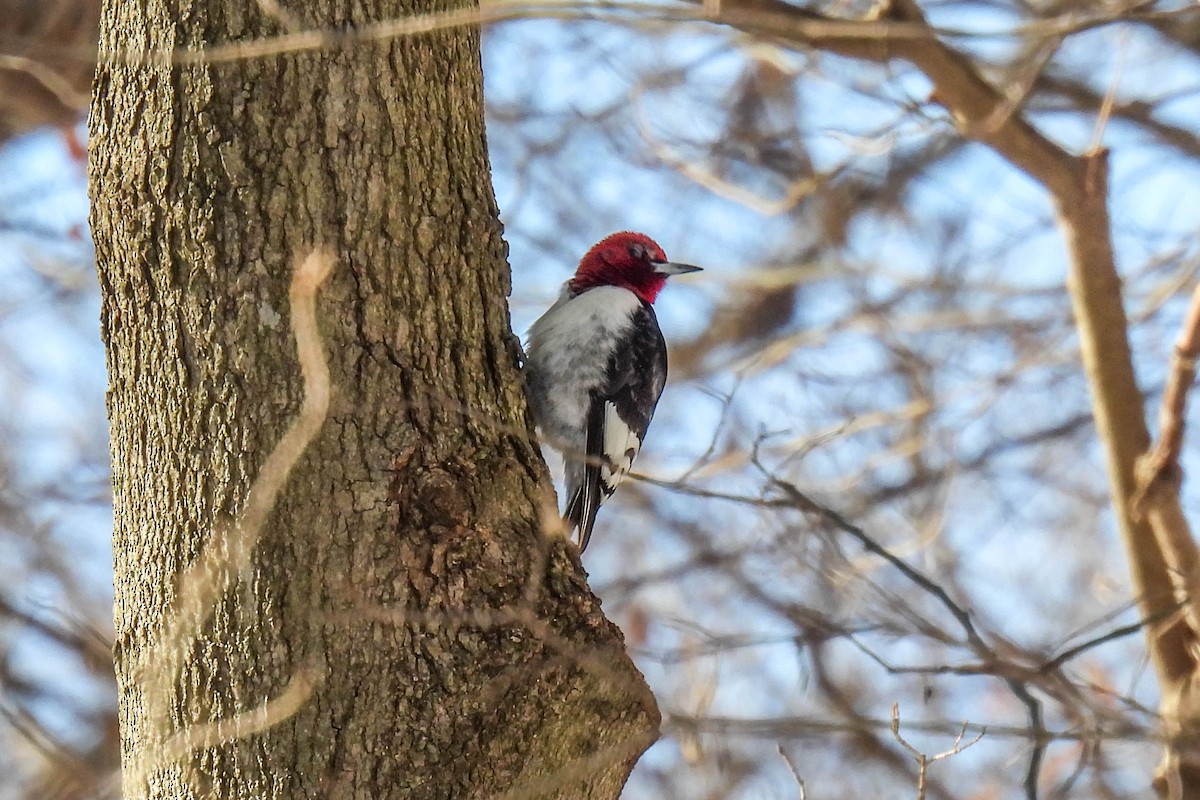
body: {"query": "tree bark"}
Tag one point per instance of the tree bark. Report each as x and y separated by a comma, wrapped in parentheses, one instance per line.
(400, 626)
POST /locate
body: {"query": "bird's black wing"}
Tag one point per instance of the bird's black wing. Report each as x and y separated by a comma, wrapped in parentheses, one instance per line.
(618, 417)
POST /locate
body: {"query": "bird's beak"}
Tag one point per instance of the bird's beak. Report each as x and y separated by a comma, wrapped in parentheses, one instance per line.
(671, 268)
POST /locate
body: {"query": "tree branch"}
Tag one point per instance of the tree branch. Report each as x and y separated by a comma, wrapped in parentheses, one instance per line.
(1078, 186)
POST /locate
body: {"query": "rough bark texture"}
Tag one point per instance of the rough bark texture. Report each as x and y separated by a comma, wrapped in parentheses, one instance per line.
(455, 652)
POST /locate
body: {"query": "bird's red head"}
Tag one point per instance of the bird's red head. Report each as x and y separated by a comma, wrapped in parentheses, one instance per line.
(631, 260)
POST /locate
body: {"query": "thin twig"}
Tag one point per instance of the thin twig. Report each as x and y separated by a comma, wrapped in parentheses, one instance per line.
(799, 500)
(1112, 635)
(48, 78)
(923, 760)
(1038, 753)
(791, 765)
(787, 728)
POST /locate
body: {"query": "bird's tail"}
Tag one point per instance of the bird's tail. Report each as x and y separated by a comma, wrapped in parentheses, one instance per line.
(589, 492)
(582, 507)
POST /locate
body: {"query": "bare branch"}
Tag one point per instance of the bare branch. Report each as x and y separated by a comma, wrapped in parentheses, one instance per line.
(1162, 462)
(791, 765)
(789, 728)
(923, 761)
(803, 502)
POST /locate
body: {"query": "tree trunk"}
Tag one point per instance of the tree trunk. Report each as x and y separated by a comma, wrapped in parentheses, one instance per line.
(399, 626)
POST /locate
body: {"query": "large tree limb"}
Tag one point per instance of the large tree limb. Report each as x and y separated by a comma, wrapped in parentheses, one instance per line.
(1159, 479)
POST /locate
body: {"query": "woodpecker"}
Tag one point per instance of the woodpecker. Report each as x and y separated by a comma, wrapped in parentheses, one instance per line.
(595, 367)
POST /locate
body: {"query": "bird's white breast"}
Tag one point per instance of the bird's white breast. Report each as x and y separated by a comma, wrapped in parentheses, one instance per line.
(575, 338)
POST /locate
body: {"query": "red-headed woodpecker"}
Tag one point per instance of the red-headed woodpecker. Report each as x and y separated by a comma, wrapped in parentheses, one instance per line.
(596, 365)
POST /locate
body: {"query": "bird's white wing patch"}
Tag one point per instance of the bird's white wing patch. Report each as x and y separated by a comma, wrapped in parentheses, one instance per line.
(621, 446)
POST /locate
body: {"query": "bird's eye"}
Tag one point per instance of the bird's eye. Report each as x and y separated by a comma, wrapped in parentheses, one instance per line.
(638, 251)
